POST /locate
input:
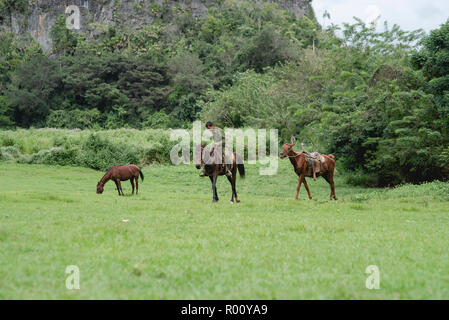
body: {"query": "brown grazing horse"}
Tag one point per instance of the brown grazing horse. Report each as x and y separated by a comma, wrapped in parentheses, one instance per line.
(213, 169)
(303, 170)
(121, 173)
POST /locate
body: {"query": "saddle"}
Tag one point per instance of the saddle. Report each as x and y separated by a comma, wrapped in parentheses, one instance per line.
(314, 160)
(227, 156)
(227, 159)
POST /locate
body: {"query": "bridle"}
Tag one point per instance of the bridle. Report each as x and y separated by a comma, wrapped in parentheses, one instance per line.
(297, 154)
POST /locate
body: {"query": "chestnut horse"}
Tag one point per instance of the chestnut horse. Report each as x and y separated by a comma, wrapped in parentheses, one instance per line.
(213, 169)
(121, 173)
(303, 170)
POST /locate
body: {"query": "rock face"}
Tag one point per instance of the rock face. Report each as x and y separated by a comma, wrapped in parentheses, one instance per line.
(83, 14)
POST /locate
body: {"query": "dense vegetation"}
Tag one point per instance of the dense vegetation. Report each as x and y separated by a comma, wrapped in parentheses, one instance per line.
(155, 76)
(86, 148)
(378, 100)
(368, 97)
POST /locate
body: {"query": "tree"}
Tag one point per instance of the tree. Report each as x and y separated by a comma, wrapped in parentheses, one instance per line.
(433, 61)
(5, 113)
(267, 48)
(33, 86)
(146, 84)
(64, 40)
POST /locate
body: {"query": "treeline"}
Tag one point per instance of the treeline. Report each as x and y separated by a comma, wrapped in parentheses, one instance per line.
(377, 100)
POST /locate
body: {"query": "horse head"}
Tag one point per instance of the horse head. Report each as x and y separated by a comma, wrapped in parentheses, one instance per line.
(100, 188)
(198, 155)
(287, 148)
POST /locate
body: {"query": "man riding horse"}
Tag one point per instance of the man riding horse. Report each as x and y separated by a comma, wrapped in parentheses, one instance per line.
(219, 141)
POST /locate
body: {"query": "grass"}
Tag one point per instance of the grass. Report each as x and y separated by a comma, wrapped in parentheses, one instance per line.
(177, 244)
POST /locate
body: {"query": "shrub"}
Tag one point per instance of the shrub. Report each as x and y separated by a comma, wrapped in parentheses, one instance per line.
(54, 156)
(9, 153)
(101, 154)
(359, 178)
(158, 151)
(6, 141)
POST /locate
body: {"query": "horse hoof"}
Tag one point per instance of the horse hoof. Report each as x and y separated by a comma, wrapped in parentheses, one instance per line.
(237, 200)
(232, 202)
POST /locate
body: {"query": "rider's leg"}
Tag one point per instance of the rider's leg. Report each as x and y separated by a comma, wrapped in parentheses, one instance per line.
(228, 162)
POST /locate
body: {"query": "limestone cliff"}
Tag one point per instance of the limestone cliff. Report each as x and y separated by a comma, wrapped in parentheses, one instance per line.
(36, 18)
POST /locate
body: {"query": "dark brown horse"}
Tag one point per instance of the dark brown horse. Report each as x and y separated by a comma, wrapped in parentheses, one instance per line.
(303, 169)
(213, 168)
(121, 173)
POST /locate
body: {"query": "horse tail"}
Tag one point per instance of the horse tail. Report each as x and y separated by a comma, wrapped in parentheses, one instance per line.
(241, 168)
(141, 174)
(240, 165)
(331, 156)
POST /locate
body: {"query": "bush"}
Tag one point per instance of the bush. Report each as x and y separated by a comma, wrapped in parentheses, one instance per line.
(6, 141)
(54, 156)
(101, 154)
(360, 178)
(9, 153)
(158, 150)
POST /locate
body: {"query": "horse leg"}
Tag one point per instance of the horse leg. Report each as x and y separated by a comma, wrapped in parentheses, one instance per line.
(132, 184)
(213, 180)
(301, 177)
(116, 184)
(330, 179)
(215, 186)
(212, 183)
(307, 187)
(120, 187)
(232, 182)
(137, 184)
(234, 178)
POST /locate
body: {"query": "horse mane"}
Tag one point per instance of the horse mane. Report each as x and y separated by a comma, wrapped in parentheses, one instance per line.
(293, 158)
(105, 174)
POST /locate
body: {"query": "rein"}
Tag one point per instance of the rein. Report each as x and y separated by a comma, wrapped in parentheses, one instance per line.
(297, 154)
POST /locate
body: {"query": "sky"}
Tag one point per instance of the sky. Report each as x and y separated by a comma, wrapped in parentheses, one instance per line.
(408, 14)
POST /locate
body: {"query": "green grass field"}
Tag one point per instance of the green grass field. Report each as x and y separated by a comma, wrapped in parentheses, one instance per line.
(177, 244)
